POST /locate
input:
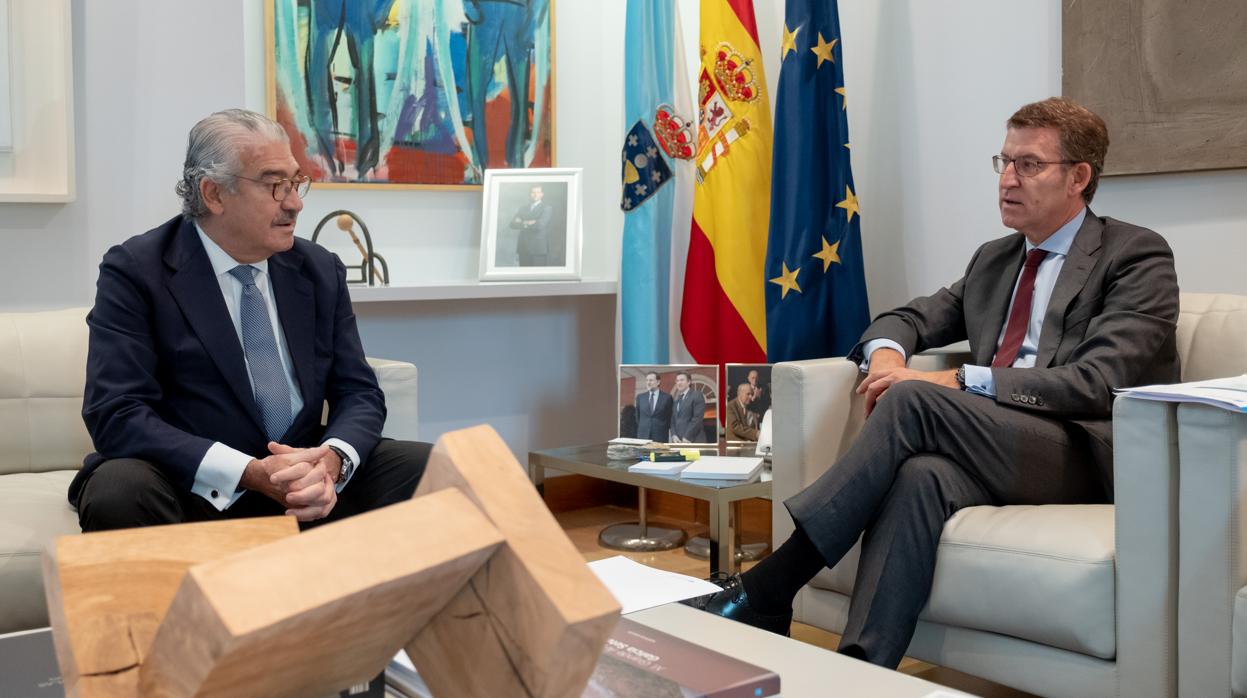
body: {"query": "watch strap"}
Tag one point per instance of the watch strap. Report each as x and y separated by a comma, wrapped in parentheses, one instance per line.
(348, 465)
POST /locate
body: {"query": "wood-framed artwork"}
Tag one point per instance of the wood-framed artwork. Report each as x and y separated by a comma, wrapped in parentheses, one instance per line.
(37, 165)
(1169, 81)
(412, 93)
(531, 225)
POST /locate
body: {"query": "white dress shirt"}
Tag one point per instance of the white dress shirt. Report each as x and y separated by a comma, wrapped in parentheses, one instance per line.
(221, 469)
(979, 378)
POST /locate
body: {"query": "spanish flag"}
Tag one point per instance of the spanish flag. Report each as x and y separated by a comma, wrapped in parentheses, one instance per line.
(723, 318)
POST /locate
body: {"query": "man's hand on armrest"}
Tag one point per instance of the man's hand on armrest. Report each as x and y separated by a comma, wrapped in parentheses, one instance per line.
(887, 368)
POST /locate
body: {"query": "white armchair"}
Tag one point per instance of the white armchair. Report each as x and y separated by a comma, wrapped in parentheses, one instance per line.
(43, 358)
(1055, 600)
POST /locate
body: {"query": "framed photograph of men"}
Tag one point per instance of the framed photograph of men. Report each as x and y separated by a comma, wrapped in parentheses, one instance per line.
(531, 225)
(675, 404)
(747, 401)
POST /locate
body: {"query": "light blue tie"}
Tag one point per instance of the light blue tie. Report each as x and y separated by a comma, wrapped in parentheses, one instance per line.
(272, 393)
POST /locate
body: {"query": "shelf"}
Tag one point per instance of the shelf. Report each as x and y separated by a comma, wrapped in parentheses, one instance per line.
(468, 290)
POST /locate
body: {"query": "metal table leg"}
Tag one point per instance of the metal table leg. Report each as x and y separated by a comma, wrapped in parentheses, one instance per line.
(641, 537)
(722, 540)
(700, 546)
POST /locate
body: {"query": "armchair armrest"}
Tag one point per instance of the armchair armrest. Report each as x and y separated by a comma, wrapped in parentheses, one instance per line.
(1212, 446)
(1146, 489)
(398, 382)
(816, 415)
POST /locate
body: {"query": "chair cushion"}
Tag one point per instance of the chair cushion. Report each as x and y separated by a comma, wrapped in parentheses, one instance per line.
(1039, 573)
(33, 511)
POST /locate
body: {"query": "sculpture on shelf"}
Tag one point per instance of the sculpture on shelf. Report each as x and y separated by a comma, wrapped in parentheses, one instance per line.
(368, 269)
(472, 576)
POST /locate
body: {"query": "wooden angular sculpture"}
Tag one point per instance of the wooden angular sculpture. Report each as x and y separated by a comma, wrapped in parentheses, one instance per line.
(473, 576)
(108, 591)
(327, 609)
(533, 619)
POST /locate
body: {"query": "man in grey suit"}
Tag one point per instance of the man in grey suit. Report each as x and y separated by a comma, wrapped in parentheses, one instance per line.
(1057, 316)
(532, 247)
(688, 420)
(653, 411)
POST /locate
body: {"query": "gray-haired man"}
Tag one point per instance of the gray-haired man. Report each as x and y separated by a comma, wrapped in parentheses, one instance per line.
(214, 342)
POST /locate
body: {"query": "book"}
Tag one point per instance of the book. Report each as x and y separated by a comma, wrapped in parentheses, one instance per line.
(1227, 393)
(640, 661)
(723, 468)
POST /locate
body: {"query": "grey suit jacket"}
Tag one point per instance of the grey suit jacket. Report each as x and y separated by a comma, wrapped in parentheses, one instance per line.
(1109, 324)
(688, 419)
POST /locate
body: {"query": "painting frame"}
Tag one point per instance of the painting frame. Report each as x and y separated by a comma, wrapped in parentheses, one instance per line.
(509, 244)
(547, 155)
(703, 378)
(758, 407)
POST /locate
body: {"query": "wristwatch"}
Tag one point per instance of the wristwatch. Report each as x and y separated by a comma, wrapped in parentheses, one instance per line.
(348, 465)
(961, 380)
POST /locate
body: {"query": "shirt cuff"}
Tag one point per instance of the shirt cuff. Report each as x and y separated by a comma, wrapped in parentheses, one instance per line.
(351, 453)
(218, 475)
(979, 380)
(881, 343)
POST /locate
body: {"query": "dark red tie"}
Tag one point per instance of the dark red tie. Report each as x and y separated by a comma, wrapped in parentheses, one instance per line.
(1020, 316)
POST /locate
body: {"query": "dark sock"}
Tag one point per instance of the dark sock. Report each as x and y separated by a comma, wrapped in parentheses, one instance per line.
(773, 583)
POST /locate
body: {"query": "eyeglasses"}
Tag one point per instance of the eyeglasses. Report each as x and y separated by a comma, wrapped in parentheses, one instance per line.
(1024, 166)
(300, 185)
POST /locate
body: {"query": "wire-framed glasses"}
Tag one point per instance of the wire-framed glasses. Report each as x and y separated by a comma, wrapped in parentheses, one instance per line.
(300, 185)
(1025, 166)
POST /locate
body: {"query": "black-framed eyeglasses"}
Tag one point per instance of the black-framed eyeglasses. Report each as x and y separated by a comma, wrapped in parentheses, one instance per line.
(301, 185)
(1024, 166)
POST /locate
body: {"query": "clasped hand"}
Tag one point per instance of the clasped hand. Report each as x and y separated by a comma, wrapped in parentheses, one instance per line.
(301, 479)
(887, 368)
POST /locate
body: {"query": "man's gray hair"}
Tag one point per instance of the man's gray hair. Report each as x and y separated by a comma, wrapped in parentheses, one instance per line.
(213, 152)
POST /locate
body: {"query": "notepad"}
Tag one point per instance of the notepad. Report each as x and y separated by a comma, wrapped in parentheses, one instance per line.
(722, 468)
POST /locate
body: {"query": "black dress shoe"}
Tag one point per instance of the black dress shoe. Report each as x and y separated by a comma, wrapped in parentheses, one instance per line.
(732, 602)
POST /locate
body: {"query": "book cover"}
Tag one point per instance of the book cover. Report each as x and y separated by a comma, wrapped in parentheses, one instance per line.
(640, 661)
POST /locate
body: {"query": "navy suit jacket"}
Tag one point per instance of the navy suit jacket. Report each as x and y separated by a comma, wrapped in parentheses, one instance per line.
(656, 425)
(166, 376)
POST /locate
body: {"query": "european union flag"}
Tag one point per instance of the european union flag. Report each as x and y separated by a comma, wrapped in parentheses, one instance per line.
(816, 289)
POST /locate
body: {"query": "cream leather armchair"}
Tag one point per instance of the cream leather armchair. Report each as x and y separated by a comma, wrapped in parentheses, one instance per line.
(1056, 600)
(43, 440)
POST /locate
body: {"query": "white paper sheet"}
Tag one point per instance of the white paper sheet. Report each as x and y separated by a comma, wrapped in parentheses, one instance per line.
(638, 587)
(1227, 393)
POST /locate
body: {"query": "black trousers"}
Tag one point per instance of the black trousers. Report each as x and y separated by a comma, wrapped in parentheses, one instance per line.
(127, 492)
(926, 452)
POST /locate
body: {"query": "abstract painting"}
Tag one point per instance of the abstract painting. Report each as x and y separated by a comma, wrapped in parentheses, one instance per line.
(1169, 77)
(412, 92)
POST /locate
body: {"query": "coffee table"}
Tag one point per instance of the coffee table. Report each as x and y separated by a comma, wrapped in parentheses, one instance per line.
(591, 460)
(804, 670)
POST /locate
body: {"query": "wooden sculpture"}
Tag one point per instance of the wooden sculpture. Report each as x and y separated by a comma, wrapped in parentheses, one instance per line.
(473, 576)
(535, 616)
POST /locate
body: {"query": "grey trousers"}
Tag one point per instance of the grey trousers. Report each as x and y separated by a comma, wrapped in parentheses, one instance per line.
(924, 453)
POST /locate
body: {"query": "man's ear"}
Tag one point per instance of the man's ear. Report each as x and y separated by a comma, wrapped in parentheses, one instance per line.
(211, 193)
(1081, 178)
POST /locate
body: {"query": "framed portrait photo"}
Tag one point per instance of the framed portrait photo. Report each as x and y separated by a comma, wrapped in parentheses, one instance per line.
(673, 403)
(531, 225)
(747, 403)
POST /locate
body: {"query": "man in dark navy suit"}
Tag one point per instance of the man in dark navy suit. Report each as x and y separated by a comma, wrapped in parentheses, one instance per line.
(653, 411)
(215, 340)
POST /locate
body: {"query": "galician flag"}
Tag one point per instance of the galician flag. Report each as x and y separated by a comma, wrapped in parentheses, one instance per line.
(657, 183)
(724, 314)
